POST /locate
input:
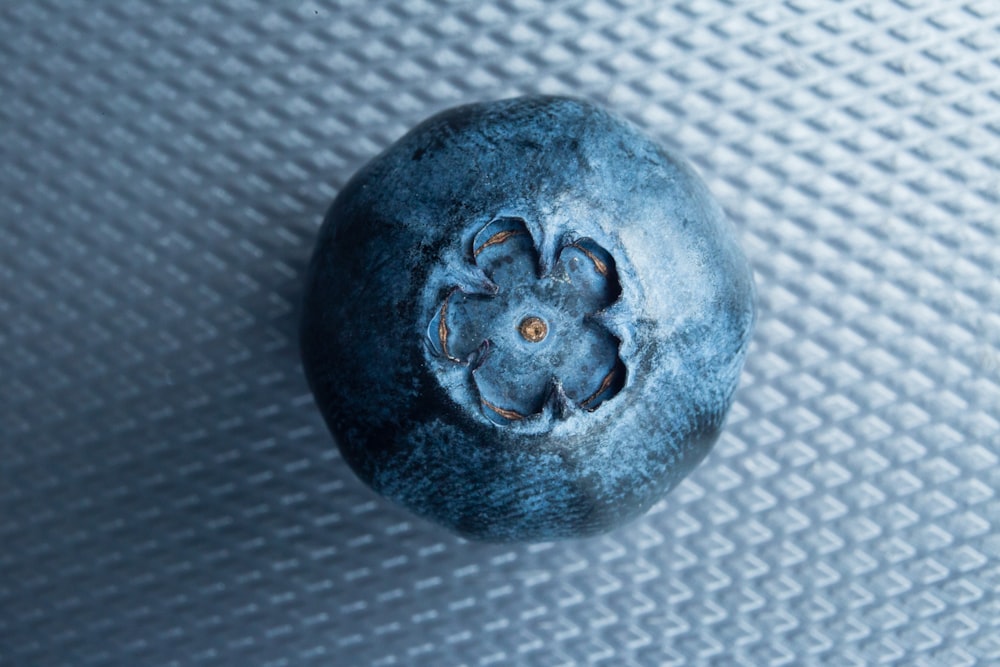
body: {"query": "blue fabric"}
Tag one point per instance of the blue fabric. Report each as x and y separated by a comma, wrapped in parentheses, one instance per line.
(169, 494)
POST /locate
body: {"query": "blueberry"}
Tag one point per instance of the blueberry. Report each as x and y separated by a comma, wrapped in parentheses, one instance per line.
(525, 320)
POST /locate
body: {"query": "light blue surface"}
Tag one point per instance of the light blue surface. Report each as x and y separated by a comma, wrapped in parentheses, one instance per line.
(168, 493)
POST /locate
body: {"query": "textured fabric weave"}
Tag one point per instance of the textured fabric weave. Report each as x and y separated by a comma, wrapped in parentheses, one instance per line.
(170, 496)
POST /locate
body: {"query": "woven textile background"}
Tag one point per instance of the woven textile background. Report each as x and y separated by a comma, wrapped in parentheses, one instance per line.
(169, 495)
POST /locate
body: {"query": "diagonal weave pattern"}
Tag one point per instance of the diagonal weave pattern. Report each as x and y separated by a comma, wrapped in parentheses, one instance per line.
(169, 495)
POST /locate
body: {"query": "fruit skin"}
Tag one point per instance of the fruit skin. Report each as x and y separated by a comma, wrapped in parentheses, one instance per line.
(398, 237)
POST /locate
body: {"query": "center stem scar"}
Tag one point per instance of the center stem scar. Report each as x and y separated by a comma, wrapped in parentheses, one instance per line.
(533, 329)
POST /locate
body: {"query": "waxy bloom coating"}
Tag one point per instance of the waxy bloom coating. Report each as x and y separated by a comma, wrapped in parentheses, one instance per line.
(525, 320)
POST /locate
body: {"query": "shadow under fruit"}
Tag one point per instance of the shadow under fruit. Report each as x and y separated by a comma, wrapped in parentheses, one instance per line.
(525, 320)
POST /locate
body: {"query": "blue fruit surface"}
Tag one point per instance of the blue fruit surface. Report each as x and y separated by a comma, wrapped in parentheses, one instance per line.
(525, 320)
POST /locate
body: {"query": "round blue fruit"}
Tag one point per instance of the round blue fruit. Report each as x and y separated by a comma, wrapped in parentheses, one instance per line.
(525, 320)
